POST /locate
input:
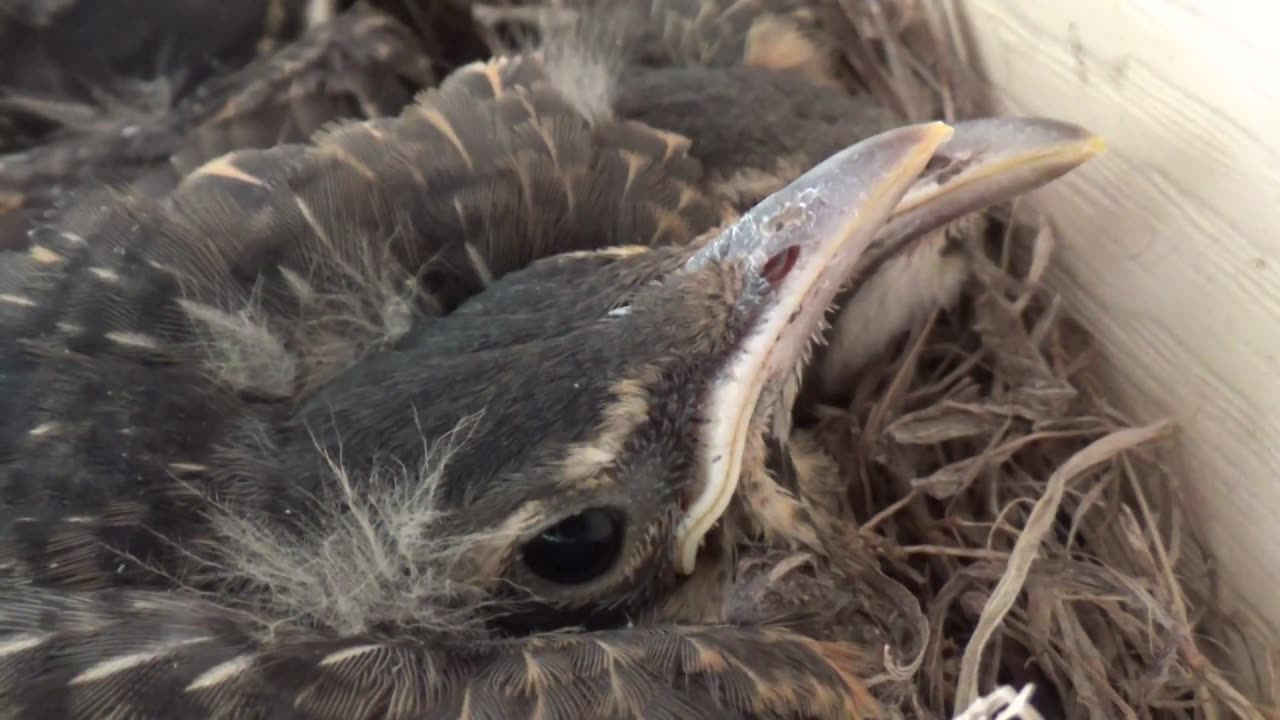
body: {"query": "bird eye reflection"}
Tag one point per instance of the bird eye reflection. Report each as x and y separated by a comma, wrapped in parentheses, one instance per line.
(578, 549)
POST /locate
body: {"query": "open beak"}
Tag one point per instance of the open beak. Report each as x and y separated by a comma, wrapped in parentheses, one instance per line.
(805, 242)
(800, 244)
(986, 161)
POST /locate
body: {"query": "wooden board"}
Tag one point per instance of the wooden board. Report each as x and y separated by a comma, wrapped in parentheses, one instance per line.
(1169, 243)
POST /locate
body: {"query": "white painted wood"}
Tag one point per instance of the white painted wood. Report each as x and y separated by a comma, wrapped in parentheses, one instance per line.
(1169, 243)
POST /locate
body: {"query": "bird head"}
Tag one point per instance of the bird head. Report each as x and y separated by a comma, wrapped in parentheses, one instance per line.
(608, 406)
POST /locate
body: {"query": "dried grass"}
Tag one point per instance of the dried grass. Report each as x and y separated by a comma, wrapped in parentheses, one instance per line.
(1038, 528)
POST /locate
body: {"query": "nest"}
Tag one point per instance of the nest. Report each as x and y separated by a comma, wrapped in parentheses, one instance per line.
(1036, 526)
(1028, 535)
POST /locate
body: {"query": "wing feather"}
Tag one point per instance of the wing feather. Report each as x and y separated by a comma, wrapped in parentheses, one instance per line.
(152, 655)
(147, 331)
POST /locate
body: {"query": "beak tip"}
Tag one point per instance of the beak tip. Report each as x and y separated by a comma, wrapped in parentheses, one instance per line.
(938, 131)
(914, 145)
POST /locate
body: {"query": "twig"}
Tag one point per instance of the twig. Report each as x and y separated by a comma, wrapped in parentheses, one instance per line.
(1039, 524)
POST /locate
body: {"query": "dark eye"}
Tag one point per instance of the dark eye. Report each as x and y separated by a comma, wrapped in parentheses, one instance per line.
(577, 549)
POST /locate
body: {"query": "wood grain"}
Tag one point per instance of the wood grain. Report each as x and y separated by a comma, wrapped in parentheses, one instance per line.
(1168, 243)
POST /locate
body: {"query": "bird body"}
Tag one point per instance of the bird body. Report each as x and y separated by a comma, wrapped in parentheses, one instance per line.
(359, 65)
(416, 418)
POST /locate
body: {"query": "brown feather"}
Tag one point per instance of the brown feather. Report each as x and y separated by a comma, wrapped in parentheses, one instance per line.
(362, 64)
(154, 655)
(267, 271)
(185, 369)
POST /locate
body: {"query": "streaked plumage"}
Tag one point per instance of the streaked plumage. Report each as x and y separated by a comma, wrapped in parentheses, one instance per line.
(61, 47)
(306, 433)
(71, 62)
(775, 63)
(183, 658)
(359, 65)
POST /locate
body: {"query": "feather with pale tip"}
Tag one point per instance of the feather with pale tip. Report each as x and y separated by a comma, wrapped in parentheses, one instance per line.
(62, 55)
(359, 65)
(758, 88)
(503, 264)
(137, 353)
(260, 277)
(154, 655)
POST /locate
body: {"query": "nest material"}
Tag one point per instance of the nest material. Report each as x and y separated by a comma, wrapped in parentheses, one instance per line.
(1037, 528)
(1041, 533)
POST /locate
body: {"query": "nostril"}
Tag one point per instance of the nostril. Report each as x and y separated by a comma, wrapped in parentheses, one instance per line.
(780, 265)
(943, 166)
(937, 163)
